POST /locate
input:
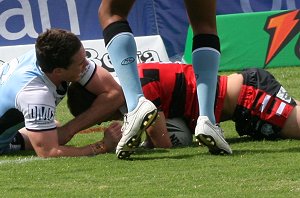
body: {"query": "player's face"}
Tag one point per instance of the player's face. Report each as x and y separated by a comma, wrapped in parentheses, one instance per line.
(78, 65)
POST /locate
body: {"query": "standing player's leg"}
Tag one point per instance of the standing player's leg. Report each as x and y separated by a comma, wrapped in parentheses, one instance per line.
(122, 51)
(206, 58)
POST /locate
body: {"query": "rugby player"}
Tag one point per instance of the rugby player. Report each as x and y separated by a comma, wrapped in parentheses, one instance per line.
(31, 87)
(257, 103)
(121, 47)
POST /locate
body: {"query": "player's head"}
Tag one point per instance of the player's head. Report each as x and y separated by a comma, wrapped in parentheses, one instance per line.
(55, 49)
(179, 132)
(79, 99)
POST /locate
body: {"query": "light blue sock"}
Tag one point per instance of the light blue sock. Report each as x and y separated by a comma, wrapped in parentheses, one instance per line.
(122, 52)
(206, 63)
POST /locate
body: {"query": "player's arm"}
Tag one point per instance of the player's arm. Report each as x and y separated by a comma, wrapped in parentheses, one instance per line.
(158, 133)
(109, 98)
(45, 144)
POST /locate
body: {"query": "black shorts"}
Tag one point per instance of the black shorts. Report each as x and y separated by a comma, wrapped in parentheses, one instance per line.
(263, 105)
(10, 119)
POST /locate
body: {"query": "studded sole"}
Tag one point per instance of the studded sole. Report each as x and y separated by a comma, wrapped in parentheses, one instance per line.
(134, 141)
(209, 141)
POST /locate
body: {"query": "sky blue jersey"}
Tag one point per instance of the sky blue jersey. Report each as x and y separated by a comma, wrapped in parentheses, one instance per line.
(28, 97)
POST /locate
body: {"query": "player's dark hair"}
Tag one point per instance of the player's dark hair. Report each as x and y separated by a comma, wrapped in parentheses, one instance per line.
(79, 99)
(54, 49)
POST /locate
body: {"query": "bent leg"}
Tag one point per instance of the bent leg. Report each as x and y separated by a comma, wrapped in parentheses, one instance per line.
(291, 128)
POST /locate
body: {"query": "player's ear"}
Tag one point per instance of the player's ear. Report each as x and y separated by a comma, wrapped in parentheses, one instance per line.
(57, 71)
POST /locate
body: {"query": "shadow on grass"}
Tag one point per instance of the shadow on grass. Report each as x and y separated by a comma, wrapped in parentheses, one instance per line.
(236, 152)
(179, 157)
(241, 139)
(192, 155)
(266, 150)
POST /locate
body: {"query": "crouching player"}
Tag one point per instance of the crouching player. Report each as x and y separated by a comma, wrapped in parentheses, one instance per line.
(31, 87)
(253, 99)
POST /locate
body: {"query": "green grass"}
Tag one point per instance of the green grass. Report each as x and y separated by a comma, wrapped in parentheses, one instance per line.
(256, 169)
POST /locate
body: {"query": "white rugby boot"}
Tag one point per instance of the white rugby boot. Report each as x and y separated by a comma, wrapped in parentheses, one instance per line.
(211, 136)
(135, 123)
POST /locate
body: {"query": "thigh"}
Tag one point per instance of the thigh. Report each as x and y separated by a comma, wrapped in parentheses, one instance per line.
(291, 128)
(114, 10)
(202, 16)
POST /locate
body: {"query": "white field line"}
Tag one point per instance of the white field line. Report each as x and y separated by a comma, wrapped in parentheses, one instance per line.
(20, 160)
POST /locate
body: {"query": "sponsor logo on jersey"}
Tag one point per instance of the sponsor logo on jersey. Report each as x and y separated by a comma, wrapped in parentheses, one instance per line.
(283, 95)
(127, 61)
(41, 114)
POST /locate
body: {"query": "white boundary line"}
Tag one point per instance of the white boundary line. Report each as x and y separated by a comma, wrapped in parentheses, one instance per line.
(20, 160)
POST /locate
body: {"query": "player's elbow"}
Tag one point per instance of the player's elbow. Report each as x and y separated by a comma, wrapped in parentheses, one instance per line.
(49, 153)
(118, 97)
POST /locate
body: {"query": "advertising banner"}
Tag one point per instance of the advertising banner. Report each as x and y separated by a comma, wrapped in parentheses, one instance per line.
(260, 39)
(22, 20)
(149, 49)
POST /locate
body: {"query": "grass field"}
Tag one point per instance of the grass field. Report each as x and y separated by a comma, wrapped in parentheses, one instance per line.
(256, 168)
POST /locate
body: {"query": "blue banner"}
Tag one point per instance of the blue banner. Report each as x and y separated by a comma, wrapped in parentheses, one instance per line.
(22, 20)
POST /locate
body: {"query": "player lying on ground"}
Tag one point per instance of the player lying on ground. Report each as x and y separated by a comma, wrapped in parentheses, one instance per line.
(31, 87)
(253, 99)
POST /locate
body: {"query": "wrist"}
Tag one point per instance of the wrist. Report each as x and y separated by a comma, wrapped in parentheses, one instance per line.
(98, 148)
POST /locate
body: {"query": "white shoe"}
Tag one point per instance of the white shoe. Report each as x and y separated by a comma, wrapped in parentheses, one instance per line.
(211, 136)
(135, 123)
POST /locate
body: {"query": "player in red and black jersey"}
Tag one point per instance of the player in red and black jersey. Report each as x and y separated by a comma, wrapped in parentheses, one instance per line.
(253, 99)
(172, 88)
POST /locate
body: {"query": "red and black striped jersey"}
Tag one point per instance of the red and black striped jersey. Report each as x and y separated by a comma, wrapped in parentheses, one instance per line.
(172, 88)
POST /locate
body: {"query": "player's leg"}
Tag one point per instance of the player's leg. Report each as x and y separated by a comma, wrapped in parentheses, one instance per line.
(121, 47)
(291, 128)
(206, 58)
(122, 50)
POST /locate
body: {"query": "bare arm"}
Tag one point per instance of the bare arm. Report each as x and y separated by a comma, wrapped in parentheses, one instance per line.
(158, 133)
(46, 144)
(108, 101)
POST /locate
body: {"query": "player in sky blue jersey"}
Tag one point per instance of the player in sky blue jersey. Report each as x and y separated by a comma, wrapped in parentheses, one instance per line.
(121, 46)
(32, 85)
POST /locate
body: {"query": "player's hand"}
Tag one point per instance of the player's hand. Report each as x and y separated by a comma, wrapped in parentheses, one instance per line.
(112, 136)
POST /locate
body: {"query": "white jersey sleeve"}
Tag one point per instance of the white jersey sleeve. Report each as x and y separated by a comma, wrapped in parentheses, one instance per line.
(37, 103)
(87, 74)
